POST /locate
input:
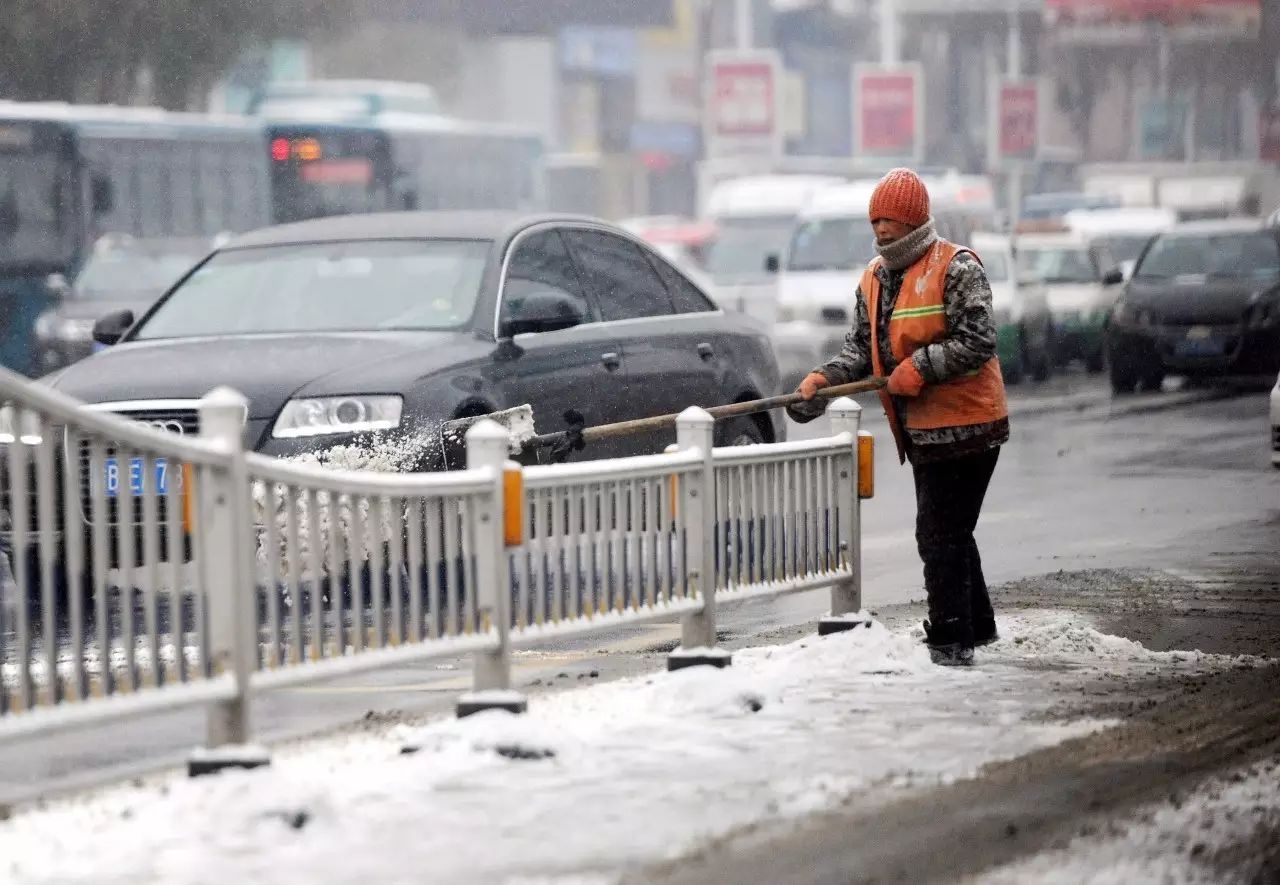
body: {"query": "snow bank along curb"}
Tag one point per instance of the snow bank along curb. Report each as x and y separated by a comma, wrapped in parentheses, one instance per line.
(1178, 841)
(595, 780)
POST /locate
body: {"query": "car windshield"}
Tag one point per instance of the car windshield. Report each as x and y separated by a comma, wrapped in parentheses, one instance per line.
(1058, 264)
(831, 244)
(1235, 255)
(1124, 247)
(996, 266)
(326, 287)
(742, 245)
(133, 273)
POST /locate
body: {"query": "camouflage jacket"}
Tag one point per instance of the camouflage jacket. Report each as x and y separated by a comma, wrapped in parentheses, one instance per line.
(970, 343)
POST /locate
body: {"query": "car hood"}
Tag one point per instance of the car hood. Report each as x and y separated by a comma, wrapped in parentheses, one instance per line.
(268, 369)
(1202, 300)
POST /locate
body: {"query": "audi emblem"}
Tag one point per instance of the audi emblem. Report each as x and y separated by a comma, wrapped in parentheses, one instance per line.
(173, 425)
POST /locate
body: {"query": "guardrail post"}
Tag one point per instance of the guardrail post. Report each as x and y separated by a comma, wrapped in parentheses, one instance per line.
(695, 429)
(231, 603)
(487, 446)
(846, 594)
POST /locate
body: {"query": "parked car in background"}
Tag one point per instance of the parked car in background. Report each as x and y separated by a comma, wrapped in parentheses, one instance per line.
(830, 246)
(1275, 424)
(1203, 301)
(1053, 207)
(1024, 326)
(1124, 233)
(121, 273)
(753, 218)
(341, 329)
(1082, 281)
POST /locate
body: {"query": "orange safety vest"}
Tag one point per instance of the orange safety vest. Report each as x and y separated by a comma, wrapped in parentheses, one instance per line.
(919, 319)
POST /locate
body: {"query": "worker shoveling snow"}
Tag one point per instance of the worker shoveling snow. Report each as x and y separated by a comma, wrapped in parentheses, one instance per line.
(603, 779)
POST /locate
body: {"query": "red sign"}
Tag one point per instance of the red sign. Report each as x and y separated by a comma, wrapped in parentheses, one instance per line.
(888, 111)
(1269, 136)
(1018, 119)
(743, 113)
(1171, 12)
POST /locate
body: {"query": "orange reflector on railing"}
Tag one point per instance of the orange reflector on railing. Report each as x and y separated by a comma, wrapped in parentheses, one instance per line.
(866, 464)
(512, 505)
(188, 498)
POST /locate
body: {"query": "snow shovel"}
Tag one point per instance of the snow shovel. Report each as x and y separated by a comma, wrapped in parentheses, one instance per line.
(525, 440)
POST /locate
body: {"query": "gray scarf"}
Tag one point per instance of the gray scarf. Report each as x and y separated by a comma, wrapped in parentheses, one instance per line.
(901, 254)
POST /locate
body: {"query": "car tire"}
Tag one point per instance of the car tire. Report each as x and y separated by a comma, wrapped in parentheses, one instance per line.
(739, 432)
(1014, 373)
(1153, 380)
(1124, 377)
(1095, 362)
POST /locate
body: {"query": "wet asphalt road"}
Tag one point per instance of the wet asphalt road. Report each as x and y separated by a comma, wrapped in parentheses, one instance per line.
(1084, 484)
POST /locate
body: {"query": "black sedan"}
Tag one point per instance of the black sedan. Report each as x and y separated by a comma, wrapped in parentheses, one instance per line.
(346, 329)
(1204, 299)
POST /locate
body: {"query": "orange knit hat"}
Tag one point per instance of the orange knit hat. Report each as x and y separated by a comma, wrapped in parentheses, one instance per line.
(901, 196)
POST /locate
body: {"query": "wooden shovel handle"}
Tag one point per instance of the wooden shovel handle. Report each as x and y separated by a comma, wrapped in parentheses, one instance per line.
(733, 410)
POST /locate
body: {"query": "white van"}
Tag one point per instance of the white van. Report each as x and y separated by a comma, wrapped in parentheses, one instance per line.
(1123, 232)
(830, 247)
(1083, 283)
(753, 218)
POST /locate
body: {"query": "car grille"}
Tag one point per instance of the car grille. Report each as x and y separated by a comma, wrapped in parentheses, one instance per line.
(183, 421)
(835, 315)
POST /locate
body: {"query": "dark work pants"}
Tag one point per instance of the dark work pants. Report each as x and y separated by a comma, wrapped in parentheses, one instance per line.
(949, 498)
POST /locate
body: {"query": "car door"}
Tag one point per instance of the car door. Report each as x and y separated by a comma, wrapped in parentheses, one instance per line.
(670, 362)
(562, 357)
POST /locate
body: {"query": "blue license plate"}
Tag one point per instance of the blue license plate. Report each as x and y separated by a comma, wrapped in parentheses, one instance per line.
(1200, 347)
(136, 477)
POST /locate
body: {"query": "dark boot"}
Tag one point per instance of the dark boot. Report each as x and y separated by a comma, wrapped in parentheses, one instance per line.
(950, 644)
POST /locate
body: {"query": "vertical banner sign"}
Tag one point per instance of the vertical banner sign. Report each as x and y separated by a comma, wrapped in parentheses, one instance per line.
(888, 111)
(744, 98)
(1017, 125)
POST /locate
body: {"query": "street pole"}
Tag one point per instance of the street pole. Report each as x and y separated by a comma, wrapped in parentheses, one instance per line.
(888, 32)
(744, 30)
(1015, 166)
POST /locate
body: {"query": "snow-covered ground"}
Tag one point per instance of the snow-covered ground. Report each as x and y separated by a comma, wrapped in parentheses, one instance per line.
(1180, 842)
(596, 780)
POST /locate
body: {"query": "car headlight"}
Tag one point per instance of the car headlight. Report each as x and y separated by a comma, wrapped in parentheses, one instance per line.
(46, 324)
(320, 416)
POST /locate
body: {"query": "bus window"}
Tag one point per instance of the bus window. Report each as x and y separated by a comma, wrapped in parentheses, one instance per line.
(37, 225)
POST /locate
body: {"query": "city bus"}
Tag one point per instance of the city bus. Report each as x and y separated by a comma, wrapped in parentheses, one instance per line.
(400, 161)
(72, 174)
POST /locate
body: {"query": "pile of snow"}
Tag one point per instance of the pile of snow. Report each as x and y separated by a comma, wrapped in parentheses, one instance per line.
(589, 783)
(1173, 843)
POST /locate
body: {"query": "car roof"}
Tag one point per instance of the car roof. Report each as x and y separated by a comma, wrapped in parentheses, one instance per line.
(850, 199)
(491, 226)
(1219, 226)
(765, 195)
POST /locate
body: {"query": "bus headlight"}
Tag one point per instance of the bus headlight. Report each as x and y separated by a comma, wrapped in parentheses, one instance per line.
(320, 416)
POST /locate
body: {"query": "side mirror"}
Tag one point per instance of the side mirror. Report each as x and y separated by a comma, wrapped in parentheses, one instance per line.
(57, 285)
(772, 264)
(110, 329)
(104, 200)
(540, 310)
(1113, 277)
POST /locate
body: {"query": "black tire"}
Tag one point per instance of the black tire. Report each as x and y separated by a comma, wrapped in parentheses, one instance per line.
(1042, 367)
(1095, 362)
(739, 432)
(1014, 373)
(1124, 377)
(1153, 380)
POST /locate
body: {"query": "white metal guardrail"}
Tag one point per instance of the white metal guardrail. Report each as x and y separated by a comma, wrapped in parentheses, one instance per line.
(153, 570)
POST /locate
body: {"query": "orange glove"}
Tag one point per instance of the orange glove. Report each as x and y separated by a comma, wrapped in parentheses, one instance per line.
(812, 383)
(906, 380)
